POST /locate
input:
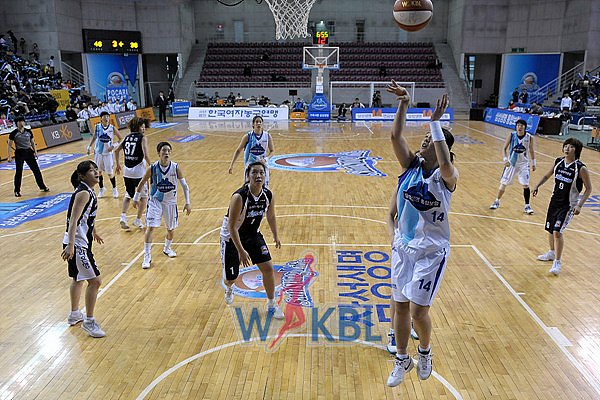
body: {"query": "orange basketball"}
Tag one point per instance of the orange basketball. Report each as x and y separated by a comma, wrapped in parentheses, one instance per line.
(413, 15)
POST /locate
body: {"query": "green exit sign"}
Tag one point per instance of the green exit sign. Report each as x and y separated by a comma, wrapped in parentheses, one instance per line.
(518, 50)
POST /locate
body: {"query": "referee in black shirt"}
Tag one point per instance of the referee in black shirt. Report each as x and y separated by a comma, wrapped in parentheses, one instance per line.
(25, 152)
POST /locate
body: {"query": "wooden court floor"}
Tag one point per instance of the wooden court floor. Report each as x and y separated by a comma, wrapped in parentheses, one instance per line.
(503, 327)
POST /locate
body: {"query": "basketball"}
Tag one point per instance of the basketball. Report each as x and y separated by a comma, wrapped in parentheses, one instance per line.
(413, 15)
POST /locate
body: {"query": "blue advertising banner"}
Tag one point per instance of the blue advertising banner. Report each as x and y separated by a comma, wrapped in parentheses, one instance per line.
(508, 119)
(180, 108)
(113, 76)
(319, 108)
(15, 214)
(388, 114)
(529, 72)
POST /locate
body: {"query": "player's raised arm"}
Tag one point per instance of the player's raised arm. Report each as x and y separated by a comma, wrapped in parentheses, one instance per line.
(442, 152)
(399, 143)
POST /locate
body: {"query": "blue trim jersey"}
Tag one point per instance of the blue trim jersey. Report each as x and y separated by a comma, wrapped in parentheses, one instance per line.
(104, 138)
(519, 148)
(164, 182)
(423, 203)
(256, 148)
(85, 224)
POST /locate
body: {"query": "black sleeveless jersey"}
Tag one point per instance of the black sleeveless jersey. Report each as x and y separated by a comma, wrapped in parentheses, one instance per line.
(85, 224)
(253, 211)
(132, 147)
(567, 183)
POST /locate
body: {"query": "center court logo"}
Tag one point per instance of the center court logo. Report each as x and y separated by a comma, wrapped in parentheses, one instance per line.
(356, 162)
(321, 324)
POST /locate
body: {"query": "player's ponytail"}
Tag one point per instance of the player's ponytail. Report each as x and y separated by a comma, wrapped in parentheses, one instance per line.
(82, 169)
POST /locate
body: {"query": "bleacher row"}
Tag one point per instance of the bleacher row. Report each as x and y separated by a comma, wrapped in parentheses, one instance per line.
(267, 62)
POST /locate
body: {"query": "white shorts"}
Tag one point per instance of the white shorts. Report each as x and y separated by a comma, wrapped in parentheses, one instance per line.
(157, 211)
(105, 163)
(522, 171)
(417, 274)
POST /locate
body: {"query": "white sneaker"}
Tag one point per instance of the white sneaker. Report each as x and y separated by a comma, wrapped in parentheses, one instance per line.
(115, 193)
(123, 223)
(93, 329)
(228, 295)
(413, 333)
(401, 367)
(101, 192)
(275, 311)
(495, 205)
(556, 267)
(138, 223)
(391, 346)
(75, 317)
(528, 209)
(547, 256)
(147, 261)
(424, 365)
(169, 252)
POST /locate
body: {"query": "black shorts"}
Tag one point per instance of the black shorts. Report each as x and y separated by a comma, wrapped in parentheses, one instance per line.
(558, 218)
(255, 246)
(131, 185)
(82, 266)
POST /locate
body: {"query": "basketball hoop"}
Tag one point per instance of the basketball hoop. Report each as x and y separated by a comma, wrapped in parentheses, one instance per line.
(291, 17)
(321, 66)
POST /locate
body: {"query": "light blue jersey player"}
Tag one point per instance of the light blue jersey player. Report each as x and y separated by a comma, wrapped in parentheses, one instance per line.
(421, 242)
(165, 176)
(256, 144)
(103, 142)
(521, 154)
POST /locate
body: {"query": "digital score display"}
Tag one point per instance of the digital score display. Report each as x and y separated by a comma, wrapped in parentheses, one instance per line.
(102, 41)
(321, 37)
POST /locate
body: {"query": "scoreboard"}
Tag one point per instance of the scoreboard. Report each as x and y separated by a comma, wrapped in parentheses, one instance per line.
(103, 41)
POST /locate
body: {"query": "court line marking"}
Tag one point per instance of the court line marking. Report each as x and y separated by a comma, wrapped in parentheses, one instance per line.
(553, 332)
(320, 206)
(501, 139)
(195, 357)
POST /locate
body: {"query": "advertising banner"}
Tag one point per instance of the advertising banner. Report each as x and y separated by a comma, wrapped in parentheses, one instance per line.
(61, 133)
(527, 71)
(319, 108)
(388, 114)
(146, 113)
(62, 96)
(226, 113)
(180, 108)
(508, 119)
(123, 118)
(113, 76)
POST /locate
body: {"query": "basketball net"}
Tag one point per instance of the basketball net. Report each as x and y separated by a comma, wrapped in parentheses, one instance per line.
(291, 17)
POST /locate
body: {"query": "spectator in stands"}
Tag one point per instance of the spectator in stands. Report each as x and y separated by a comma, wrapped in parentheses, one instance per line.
(377, 99)
(130, 105)
(70, 114)
(536, 109)
(231, 99)
(247, 70)
(524, 96)
(382, 72)
(239, 97)
(13, 39)
(515, 95)
(262, 101)
(357, 104)
(35, 52)
(298, 105)
(3, 44)
(51, 64)
(511, 105)
(266, 56)
(161, 103)
(565, 118)
(566, 102)
(4, 122)
(23, 45)
(171, 96)
(25, 152)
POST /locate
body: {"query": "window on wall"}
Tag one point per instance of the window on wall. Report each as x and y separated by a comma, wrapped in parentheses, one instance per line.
(331, 28)
(360, 30)
(470, 67)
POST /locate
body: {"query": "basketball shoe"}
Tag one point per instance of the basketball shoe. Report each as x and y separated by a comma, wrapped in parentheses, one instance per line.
(169, 252)
(424, 365)
(75, 317)
(92, 328)
(401, 367)
(228, 295)
(556, 267)
(495, 204)
(547, 256)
